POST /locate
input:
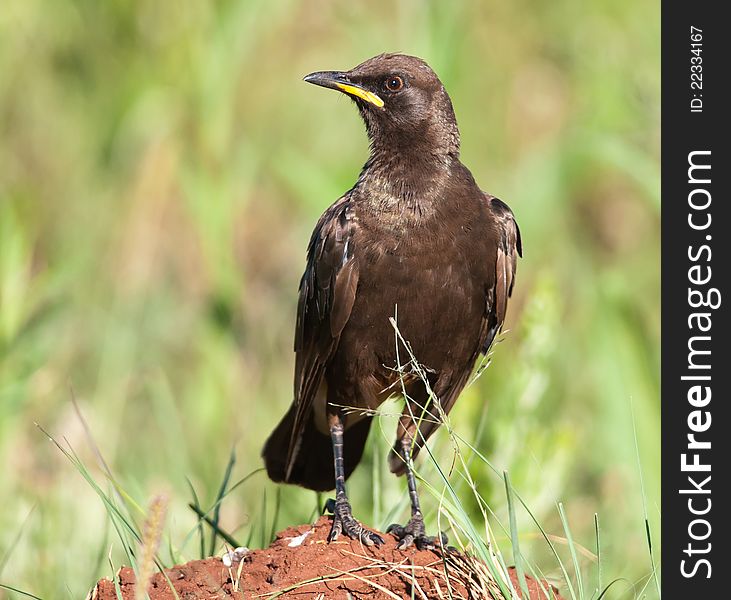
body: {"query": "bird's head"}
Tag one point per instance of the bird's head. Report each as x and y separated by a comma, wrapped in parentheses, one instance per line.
(401, 100)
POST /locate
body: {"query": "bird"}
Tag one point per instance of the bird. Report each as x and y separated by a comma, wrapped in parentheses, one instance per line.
(415, 245)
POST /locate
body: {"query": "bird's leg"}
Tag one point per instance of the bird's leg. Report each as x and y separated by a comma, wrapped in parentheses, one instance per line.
(414, 531)
(343, 520)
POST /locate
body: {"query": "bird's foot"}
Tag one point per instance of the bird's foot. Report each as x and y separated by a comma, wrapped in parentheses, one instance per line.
(344, 522)
(414, 532)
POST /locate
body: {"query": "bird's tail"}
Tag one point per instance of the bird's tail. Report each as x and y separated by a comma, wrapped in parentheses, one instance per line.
(313, 466)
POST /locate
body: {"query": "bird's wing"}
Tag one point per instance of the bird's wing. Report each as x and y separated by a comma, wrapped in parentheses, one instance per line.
(326, 296)
(498, 287)
(508, 249)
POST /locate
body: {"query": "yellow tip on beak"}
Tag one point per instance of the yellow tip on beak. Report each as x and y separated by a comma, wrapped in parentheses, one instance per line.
(361, 93)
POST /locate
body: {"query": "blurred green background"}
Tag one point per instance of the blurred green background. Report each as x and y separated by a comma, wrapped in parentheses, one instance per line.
(161, 168)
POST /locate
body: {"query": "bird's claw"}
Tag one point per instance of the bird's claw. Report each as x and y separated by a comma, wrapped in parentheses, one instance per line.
(344, 522)
(414, 533)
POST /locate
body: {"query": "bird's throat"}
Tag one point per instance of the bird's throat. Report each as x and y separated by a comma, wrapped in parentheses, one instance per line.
(405, 182)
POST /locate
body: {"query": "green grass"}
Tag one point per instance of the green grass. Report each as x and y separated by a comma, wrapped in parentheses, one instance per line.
(447, 464)
(161, 169)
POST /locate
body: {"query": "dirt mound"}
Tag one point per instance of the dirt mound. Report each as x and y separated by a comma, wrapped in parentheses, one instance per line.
(301, 564)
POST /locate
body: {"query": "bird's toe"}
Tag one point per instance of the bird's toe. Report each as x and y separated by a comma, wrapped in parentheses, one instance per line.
(412, 534)
(345, 522)
(335, 530)
(371, 538)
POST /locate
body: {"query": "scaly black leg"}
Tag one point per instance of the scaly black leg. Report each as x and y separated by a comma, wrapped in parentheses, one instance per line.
(343, 520)
(414, 531)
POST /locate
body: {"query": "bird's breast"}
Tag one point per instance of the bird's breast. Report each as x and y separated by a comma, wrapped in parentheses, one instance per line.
(429, 282)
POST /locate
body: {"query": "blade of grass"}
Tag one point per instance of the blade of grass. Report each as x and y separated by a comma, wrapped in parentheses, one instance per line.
(100, 556)
(195, 505)
(598, 553)
(572, 549)
(115, 579)
(9, 551)
(376, 470)
(275, 517)
(202, 514)
(123, 525)
(205, 518)
(543, 532)
(644, 501)
(611, 583)
(263, 520)
(484, 551)
(17, 591)
(517, 557)
(219, 497)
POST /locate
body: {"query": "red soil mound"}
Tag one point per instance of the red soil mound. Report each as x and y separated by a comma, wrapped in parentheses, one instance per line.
(301, 564)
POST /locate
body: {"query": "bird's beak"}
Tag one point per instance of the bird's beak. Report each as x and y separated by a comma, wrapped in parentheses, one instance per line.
(337, 80)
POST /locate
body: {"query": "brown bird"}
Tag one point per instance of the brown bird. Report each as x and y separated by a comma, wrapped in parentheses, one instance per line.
(415, 238)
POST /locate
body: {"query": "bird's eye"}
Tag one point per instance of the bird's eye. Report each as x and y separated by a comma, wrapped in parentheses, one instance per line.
(394, 84)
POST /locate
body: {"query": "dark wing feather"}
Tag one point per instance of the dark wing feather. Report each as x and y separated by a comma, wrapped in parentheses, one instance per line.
(506, 259)
(497, 293)
(499, 286)
(327, 293)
